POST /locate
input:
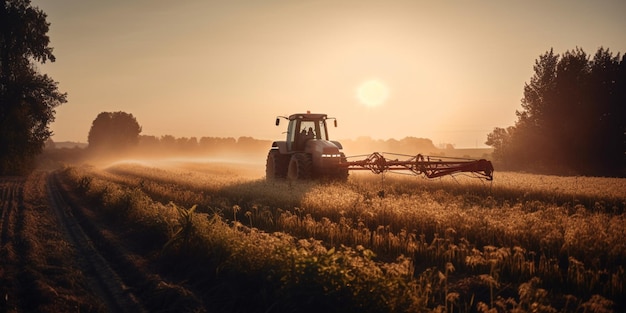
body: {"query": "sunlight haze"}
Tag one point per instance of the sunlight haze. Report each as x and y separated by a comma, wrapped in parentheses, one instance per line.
(449, 71)
(372, 93)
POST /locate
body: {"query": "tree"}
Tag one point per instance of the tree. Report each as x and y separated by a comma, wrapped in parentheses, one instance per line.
(27, 98)
(500, 140)
(573, 118)
(113, 132)
(608, 86)
(535, 118)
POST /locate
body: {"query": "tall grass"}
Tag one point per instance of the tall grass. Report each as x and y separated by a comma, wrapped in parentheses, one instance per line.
(527, 233)
(289, 273)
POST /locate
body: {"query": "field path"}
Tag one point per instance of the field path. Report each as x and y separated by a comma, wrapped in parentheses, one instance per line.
(57, 256)
(10, 189)
(102, 278)
(10, 198)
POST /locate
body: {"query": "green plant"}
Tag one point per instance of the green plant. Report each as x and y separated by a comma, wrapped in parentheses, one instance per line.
(184, 235)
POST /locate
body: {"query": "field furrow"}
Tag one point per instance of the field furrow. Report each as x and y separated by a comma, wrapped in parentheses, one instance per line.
(120, 275)
(103, 279)
(466, 239)
(9, 251)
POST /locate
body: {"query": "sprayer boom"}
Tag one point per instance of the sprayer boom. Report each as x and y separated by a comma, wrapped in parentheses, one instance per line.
(430, 166)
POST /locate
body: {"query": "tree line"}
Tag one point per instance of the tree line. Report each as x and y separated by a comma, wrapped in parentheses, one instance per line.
(573, 117)
(120, 133)
(27, 97)
(572, 121)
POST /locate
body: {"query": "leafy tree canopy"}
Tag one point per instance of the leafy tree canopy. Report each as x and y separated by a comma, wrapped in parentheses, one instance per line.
(27, 98)
(114, 131)
(573, 117)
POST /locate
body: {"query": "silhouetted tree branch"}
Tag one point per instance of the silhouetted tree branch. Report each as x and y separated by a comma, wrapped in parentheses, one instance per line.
(27, 98)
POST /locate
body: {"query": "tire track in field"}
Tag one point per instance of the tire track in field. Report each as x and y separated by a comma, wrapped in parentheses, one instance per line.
(123, 277)
(9, 258)
(10, 190)
(103, 279)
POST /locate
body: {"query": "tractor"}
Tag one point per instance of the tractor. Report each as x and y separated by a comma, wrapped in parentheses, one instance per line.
(309, 154)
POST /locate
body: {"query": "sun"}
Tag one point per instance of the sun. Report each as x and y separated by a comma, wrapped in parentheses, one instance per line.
(372, 93)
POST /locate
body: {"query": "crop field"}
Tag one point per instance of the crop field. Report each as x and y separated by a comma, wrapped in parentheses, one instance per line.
(376, 243)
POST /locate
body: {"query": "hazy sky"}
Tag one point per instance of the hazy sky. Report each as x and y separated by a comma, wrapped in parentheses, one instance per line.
(449, 71)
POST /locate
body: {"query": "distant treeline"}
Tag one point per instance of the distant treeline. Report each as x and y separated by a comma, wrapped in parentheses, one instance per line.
(229, 145)
(244, 147)
(168, 145)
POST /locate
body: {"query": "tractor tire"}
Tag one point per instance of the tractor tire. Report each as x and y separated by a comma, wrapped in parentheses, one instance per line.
(342, 173)
(300, 167)
(276, 165)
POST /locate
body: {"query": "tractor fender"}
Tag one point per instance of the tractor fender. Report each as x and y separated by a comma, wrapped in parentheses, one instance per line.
(281, 146)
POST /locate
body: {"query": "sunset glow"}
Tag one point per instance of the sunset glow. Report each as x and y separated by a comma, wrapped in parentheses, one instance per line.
(226, 69)
(372, 93)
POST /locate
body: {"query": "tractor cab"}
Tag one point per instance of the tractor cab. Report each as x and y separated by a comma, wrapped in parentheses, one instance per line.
(304, 127)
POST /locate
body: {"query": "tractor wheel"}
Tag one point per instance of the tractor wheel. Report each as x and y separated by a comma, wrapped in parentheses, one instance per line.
(276, 165)
(300, 167)
(342, 173)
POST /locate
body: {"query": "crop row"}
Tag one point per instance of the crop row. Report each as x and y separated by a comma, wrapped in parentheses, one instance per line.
(470, 229)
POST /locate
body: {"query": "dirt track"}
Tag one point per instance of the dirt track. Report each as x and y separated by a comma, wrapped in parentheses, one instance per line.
(38, 265)
(55, 255)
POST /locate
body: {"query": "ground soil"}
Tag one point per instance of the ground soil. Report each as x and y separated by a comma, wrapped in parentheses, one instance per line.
(57, 255)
